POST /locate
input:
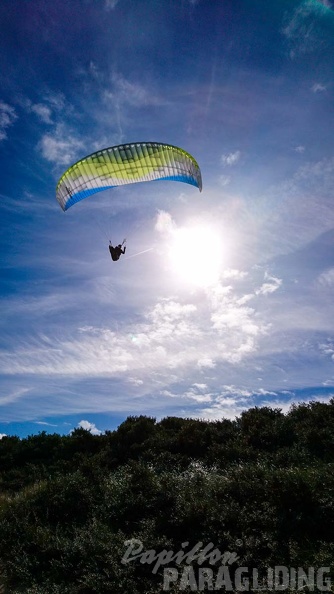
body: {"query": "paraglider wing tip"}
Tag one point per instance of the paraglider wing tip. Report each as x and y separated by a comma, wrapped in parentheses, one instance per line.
(198, 177)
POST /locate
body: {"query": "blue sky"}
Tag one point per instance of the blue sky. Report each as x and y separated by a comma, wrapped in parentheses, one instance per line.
(247, 88)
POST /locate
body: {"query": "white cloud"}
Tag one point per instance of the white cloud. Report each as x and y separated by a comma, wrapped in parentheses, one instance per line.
(91, 427)
(232, 400)
(57, 101)
(200, 386)
(285, 405)
(111, 4)
(49, 105)
(231, 158)
(200, 397)
(171, 334)
(318, 88)
(3, 435)
(233, 273)
(327, 278)
(232, 320)
(168, 312)
(262, 392)
(224, 180)
(299, 149)
(206, 362)
(164, 222)
(135, 381)
(270, 286)
(7, 118)
(234, 390)
(43, 112)
(327, 349)
(228, 404)
(60, 147)
(198, 334)
(196, 395)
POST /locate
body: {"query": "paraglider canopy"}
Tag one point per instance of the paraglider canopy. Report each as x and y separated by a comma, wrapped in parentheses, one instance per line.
(126, 164)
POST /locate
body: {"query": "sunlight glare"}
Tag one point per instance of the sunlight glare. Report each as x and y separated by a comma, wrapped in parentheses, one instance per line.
(195, 254)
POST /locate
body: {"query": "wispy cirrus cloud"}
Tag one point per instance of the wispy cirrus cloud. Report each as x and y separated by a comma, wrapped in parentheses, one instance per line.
(44, 423)
(304, 28)
(7, 118)
(297, 210)
(123, 95)
(128, 92)
(48, 107)
(110, 4)
(13, 395)
(326, 3)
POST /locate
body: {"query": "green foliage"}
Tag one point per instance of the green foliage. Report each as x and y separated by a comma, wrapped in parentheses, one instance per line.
(262, 486)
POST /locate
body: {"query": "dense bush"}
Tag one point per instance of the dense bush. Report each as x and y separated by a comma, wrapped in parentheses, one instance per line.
(261, 486)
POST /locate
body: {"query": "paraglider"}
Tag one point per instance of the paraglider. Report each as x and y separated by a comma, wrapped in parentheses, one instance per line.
(115, 252)
(126, 164)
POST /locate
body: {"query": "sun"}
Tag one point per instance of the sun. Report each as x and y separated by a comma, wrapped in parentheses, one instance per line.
(196, 254)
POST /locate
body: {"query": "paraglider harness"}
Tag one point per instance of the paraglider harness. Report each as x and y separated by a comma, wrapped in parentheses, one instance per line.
(116, 252)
